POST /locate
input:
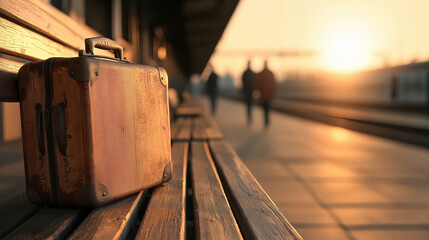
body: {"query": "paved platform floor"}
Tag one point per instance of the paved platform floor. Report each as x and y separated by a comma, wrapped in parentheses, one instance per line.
(333, 183)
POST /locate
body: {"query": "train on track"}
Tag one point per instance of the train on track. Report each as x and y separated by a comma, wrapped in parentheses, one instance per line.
(403, 86)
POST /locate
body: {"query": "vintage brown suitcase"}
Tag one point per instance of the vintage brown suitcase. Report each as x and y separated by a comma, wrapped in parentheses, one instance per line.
(94, 128)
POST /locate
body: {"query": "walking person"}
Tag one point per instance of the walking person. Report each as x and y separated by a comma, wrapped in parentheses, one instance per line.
(266, 86)
(211, 89)
(249, 78)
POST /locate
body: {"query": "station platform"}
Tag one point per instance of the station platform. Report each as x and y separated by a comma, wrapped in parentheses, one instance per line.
(330, 182)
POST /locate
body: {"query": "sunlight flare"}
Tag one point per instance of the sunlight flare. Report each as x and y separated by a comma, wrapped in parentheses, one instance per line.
(346, 48)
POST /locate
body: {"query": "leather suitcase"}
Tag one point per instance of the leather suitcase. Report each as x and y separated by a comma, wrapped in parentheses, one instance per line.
(94, 128)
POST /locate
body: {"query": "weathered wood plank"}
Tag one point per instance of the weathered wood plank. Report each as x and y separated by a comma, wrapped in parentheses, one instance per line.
(112, 221)
(198, 131)
(10, 66)
(187, 112)
(48, 20)
(49, 223)
(205, 128)
(184, 133)
(192, 103)
(165, 214)
(212, 129)
(213, 216)
(81, 29)
(8, 81)
(257, 215)
(14, 211)
(21, 42)
(174, 129)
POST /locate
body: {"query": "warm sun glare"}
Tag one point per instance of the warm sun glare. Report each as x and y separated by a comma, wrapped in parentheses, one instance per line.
(346, 49)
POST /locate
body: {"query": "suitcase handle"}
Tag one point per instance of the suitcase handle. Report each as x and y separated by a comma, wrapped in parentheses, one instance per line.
(39, 129)
(104, 43)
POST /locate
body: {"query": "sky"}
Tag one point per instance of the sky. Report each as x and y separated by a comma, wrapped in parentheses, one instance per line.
(346, 35)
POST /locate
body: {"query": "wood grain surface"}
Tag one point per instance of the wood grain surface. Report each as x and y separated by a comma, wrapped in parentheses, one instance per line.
(205, 128)
(257, 215)
(198, 131)
(212, 129)
(7, 65)
(165, 215)
(49, 223)
(22, 42)
(8, 80)
(112, 221)
(213, 216)
(48, 20)
(184, 130)
(188, 112)
(174, 129)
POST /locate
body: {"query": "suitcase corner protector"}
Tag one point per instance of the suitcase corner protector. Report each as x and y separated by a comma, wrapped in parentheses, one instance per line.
(163, 77)
(167, 174)
(33, 196)
(92, 195)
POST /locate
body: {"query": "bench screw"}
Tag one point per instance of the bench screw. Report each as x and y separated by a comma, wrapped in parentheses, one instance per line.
(103, 194)
(96, 73)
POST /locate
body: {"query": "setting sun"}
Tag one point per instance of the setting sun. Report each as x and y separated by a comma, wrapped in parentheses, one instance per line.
(346, 48)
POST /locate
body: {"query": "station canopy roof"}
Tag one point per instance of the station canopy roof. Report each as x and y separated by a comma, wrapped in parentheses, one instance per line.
(193, 28)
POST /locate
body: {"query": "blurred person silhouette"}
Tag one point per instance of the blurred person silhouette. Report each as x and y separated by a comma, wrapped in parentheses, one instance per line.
(266, 85)
(249, 78)
(211, 88)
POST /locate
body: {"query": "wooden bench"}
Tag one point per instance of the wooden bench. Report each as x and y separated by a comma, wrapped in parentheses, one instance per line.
(212, 194)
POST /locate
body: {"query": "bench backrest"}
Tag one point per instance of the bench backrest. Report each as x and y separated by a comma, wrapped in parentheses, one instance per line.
(33, 30)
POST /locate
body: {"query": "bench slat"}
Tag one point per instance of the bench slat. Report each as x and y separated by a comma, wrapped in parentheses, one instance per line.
(213, 216)
(49, 223)
(21, 42)
(187, 111)
(174, 129)
(206, 129)
(258, 216)
(15, 211)
(47, 20)
(112, 221)
(212, 130)
(165, 214)
(8, 83)
(184, 133)
(198, 132)
(10, 66)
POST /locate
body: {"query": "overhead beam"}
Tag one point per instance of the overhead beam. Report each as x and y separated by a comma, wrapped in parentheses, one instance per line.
(192, 7)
